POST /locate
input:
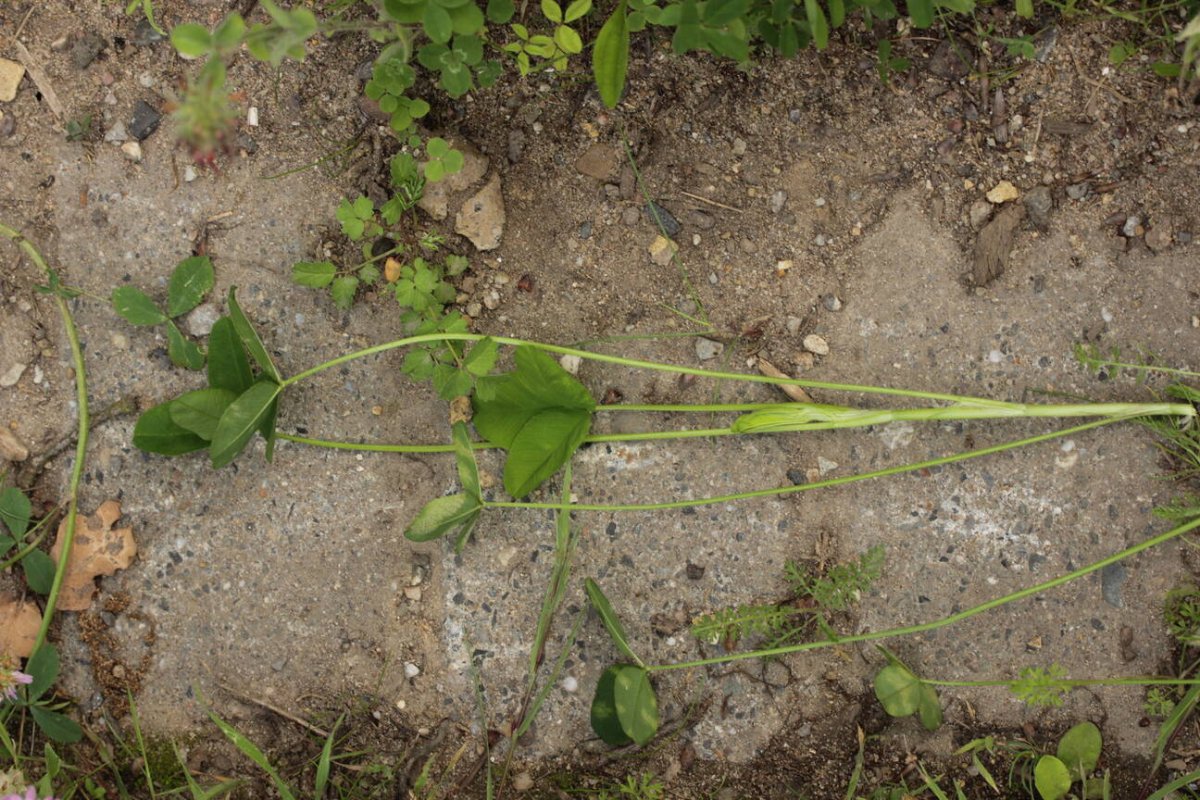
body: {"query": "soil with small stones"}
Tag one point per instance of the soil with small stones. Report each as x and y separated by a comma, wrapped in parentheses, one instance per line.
(836, 226)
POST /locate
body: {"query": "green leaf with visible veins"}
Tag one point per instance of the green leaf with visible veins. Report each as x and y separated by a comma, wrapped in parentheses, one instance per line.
(137, 309)
(228, 367)
(637, 706)
(240, 421)
(156, 432)
(15, 510)
(201, 410)
(442, 514)
(190, 281)
(538, 412)
(249, 337)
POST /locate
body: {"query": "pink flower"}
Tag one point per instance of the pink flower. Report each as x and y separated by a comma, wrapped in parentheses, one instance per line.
(30, 793)
(9, 680)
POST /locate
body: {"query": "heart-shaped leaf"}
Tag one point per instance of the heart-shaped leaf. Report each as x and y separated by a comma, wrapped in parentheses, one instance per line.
(610, 619)
(156, 432)
(605, 721)
(637, 706)
(191, 280)
(201, 410)
(240, 421)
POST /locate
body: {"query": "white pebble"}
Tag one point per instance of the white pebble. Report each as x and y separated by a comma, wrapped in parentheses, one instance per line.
(571, 363)
(411, 670)
(570, 685)
(995, 356)
(1106, 315)
(132, 151)
(252, 116)
(189, 173)
(816, 344)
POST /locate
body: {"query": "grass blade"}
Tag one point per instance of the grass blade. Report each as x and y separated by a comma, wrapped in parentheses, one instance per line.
(250, 750)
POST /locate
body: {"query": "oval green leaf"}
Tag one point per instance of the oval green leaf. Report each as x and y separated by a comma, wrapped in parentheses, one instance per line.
(605, 722)
(240, 420)
(191, 40)
(552, 11)
(58, 727)
(228, 367)
(438, 25)
(15, 510)
(568, 40)
(610, 619)
(500, 11)
(39, 571)
(464, 458)
(921, 12)
(1052, 778)
(135, 307)
(637, 707)
(43, 668)
(1079, 748)
(191, 280)
(201, 410)
(156, 432)
(442, 514)
(610, 57)
(182, 351)
(249, 337)
(929, 708)
(898, 690)
(544, 444)
(228, 35)
(818, 25)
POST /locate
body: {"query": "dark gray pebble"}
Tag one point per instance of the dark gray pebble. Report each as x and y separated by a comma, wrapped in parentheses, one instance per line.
(665, 218)
(144, 121)
(85, 50)
(145, 34)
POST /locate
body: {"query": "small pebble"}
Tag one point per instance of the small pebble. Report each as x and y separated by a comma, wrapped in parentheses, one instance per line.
(662, 250)
(585, 230)
(571, 363)
(1078, 191)
(660, 216)
(778, 199)
(116, 133)
(816, 344)
(630, 216)
(132, 151)
(11, 447)
(980, 213)
(570, 685)
(832, 302)
(1132, 227)
(145, 80)
(411, 670)
(739, 147)
(793, 325)
(252, 116)
(707, 349)
(821, 240)
(523, 782)
(1002, 192)
(189, 173)
(144, 121)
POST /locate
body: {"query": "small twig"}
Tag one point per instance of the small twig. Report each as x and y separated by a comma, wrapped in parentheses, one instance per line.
(25, 19)
(39, 78)
(303, 723)
(710, 202)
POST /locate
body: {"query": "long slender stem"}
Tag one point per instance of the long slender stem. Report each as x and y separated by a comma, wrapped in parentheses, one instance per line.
(628, 362)
(81, 400)
(925, 627)
(805, 487)
(1074, 683)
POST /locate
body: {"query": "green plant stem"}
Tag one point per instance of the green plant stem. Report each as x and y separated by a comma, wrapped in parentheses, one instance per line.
(28, 548)
(925, 627)
(632, 363)
(81, 399)
(1073, 683)
(805, 487)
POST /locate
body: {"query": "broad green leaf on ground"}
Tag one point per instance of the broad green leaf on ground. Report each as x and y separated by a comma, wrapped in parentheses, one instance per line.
(43, 667)
(183, 351)
(317, 274)
(610, 619)
(250, 339)
(240, 421)
(544, 445)
(191, 280)
(228, 367)
(515, 416)
(1052, 778)
(605, 721)
(39, 571)
(15, 510)
(135, 307)
(637, 707)
(201, 410)
(929, 708)
(442, 514)
(610, 57)
(464, 458)
(58, 727)
(156, 432)
(898, 690)
(1079, 748)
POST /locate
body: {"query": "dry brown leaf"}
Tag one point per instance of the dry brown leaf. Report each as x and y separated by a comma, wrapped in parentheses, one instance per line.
(99, 549)
(19, 624)
(772, 371)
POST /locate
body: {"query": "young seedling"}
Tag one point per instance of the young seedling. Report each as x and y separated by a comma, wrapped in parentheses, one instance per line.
(191, 280)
